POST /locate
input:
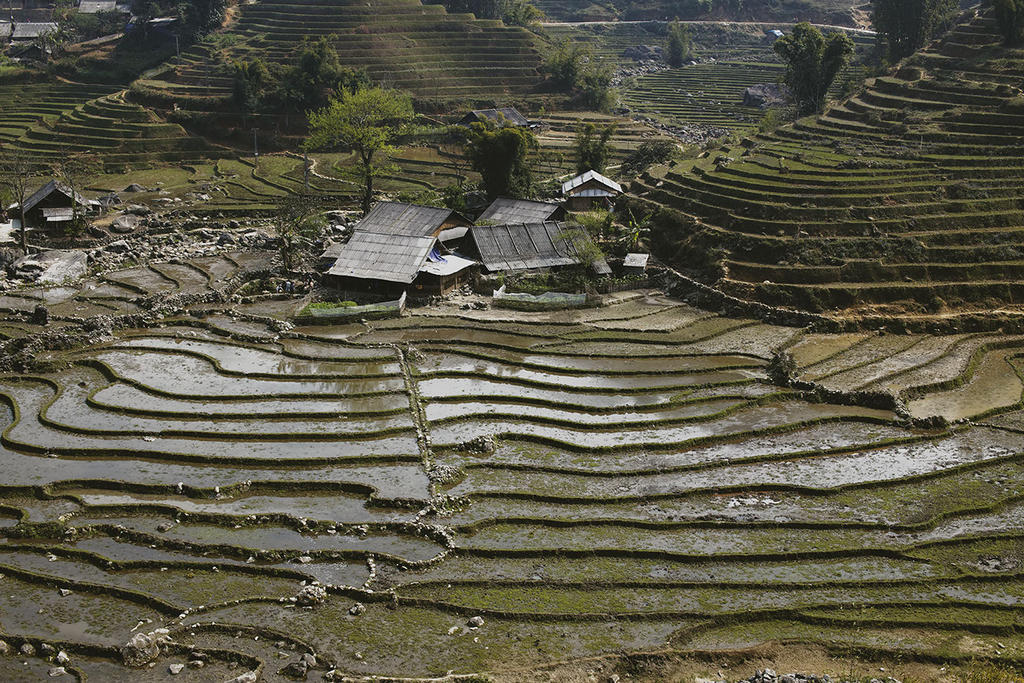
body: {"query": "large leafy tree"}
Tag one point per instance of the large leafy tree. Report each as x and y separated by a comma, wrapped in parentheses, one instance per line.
(316, 76)
(592, 147)
(572, 68)
(812, 63)
(501, 157)
(367, 122)
(251, 82)
(202, 16)
(904, 26)
(1010, 15)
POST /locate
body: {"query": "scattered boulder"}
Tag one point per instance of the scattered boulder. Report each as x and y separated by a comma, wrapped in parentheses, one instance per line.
(642, 53)
(135, 187)
(295, 670)
(56, 671)
(481, 445)
(311, 595)
(476, 622)
(176, 669)
(118, 247)
(27, 650)
(5, 649)
(138, 210)
(63, 658)
(142, 649)
(357, 609)
(125, 224)
(766, 95)
(247, 677)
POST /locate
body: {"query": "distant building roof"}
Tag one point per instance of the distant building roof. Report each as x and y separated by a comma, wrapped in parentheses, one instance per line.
(94, 6)
(507, 115)
(383, 256)
(524, 246)
(51, 187)
(31, 30)
(588, 177)
(636, 260)
(395, 218)
(505, 210)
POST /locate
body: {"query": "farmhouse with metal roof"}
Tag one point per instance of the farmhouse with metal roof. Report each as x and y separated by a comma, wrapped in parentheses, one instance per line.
(53, 205)
(396, 247)
(532, 246)
(590, 190)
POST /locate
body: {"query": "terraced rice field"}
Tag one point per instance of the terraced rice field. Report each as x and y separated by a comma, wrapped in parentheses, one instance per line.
(406, 44)
(49, 121)
(906, 193)
(588, 482)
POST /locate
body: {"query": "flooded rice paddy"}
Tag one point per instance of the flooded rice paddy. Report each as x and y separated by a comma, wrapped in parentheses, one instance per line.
(588, 482)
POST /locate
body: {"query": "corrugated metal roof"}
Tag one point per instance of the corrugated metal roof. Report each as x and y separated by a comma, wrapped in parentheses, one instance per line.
(593, 193)
(381, 256)
(94, 6)
(395, 218)
(524, 246)
(505, 210)
(635, 260)
(6, 28)
(333, 250)
(50, 187)
(507, 115)
(583, 178)
(29, 30)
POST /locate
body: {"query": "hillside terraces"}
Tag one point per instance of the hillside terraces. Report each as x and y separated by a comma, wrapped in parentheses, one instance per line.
(709, 93)
(732, 57)
(909, 192)
(401, 43)
(49, 121)
(585, 482)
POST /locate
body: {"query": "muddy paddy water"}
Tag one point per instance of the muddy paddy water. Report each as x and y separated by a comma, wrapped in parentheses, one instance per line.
(585, 482)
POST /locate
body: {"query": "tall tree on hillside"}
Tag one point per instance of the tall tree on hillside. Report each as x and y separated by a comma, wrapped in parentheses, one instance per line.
(592, 147)
(680, 44)
(501, 156)
(812, 63)
(366, 121)
(202, 17)
(904, 26)
(1010, 15)
(15, 167)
